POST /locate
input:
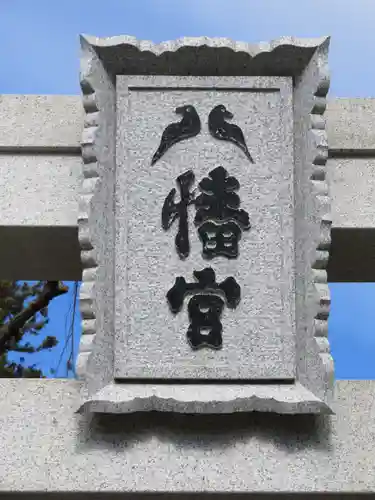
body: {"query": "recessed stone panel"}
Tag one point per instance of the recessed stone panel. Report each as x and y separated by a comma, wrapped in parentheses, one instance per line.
(258, 335)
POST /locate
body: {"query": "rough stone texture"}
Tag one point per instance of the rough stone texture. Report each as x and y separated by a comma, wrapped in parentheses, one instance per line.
(353, 235)
(259, 335)
(205, 398)
(40, 121)
(59, 450)
(203, 56)
(99, 70)
(96, 222)
(39, 190)
(350, 124)
(352, 182)
(315, 369)
(354, 193)
(54, 253)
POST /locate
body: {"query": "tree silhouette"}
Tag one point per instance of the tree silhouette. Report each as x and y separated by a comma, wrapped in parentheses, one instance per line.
(24, 310)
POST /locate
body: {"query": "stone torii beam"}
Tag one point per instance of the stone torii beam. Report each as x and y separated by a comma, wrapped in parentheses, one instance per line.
(41, 175)
(50, 448)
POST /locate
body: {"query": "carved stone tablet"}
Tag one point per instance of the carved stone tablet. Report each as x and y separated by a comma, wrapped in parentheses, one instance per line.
(258, 336)
(205, 227)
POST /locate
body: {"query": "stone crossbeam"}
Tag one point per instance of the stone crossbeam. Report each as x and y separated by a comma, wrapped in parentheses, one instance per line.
(41, 178)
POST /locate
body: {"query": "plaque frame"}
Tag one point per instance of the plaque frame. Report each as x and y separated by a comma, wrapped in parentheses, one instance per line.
(306, 61)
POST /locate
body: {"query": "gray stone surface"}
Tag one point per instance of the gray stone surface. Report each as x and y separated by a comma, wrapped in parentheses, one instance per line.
(204, 398)
(259, 335)
(50, 122)
(47, 447)
(96, 222)
(354, 192)
(349, 123)
(314, 368)
(54, 253)
(203, 56)
(59, 126)
(353, 235)
(39, 190)
(349, 128)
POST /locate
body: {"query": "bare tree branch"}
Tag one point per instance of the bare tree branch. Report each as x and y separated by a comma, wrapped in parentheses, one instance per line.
(10, 331)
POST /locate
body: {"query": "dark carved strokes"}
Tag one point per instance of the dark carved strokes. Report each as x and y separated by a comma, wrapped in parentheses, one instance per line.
(205, 307)
(220, 129)
(189, 126)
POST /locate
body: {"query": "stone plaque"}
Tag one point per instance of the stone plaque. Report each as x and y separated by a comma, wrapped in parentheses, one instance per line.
(204, 227)
(256, 336)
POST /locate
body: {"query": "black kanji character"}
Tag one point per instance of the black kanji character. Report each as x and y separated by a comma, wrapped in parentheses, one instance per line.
(204, 314)
(189, 126)
(225, 131)
(218, 217)
(171, 211)
(218, 201)
(220, 239)
(204, 308)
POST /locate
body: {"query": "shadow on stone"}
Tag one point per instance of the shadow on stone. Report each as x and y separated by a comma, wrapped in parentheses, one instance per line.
(289, 433)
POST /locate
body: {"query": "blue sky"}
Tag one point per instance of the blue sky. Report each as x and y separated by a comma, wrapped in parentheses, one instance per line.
(39, 54)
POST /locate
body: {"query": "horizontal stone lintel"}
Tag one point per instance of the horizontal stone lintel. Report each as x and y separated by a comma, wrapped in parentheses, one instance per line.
(60, 117)
(38, 228)
(55, 451)
(205, 398)
(52, 253)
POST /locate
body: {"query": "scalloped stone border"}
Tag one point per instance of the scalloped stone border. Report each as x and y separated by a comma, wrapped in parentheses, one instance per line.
(201, 56)
(88, 260)
(251, 49)
(306, 61)
(204, 399)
